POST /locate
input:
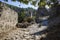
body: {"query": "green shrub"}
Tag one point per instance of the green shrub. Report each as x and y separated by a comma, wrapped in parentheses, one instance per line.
(29, 19)
(21, 17)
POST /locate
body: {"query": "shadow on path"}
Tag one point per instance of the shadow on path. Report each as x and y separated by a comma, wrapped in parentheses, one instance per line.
(40, 32)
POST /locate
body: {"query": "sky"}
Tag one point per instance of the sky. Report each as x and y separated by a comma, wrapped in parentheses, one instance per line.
(21, 4)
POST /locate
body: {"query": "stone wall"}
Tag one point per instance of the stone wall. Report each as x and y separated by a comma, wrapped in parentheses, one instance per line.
(8, 18)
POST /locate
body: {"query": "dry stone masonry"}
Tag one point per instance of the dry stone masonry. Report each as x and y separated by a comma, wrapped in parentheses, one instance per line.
(8, 18)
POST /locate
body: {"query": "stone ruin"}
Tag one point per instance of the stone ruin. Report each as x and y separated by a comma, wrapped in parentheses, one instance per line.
(8, 18)
(8, 21)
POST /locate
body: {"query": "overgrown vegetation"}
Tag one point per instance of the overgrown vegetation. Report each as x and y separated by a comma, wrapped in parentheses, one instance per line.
(21, 16)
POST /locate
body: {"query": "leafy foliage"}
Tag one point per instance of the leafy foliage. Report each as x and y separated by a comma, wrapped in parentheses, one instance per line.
(42, 3)
(23, 1)
(34, 3)
(28, 19)
(0, 2)
(21, 16)
(53, 0)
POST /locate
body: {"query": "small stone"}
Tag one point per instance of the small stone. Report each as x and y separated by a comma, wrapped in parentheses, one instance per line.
(26, 32)
(37, 37)
(44, 35)
(27, 37)
(31, 39)
(24, 39)
(24, 35)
